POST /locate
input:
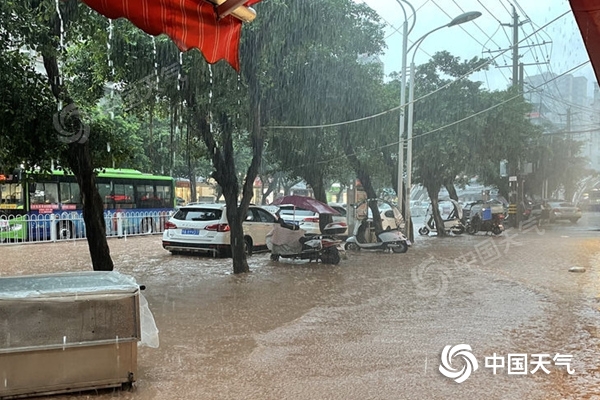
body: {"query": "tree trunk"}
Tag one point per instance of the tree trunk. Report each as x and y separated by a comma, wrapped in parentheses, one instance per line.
(437, 218)
(93, 210)
(236, 219)
(451, 191)
(190, 166)
(272, 184)
(363, 175)
(193, 187)
(80, 161)
(288, 187)
(316, 183)
(226, 176)
(218, 193)
(338, 195)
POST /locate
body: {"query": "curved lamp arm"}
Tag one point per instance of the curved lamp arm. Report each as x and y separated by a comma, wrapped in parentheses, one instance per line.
(461, 19)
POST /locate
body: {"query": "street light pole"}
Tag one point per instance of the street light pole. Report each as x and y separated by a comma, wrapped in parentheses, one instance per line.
(466, 17)
(401, 121)
(405, 32)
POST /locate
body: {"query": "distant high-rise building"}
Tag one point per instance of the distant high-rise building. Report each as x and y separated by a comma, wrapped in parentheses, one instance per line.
(562, 104)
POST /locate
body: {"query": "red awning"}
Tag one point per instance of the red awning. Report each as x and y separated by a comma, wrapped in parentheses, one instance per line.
(189, 23)
(587, 15)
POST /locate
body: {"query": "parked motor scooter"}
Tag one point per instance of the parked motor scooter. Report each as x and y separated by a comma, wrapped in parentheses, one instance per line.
(486, 218)
(286, 240)
(452, 223)
(365, 236)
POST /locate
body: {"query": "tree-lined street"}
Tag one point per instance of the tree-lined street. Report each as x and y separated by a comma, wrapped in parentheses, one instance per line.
(373, 326)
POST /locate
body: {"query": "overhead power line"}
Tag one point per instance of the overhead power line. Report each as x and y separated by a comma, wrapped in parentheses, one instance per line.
(414, 101)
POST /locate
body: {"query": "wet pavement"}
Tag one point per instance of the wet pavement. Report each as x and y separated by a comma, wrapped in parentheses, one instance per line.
(372, 327)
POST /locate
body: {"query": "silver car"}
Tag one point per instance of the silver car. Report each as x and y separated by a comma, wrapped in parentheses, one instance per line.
(558, 211)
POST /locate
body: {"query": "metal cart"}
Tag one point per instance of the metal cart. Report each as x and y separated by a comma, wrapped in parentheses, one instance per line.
(67, 332)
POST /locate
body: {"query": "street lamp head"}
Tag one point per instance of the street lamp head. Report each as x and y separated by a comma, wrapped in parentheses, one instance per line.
(466, 17)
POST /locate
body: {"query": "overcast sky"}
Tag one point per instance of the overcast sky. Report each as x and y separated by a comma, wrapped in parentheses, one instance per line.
(563, 46)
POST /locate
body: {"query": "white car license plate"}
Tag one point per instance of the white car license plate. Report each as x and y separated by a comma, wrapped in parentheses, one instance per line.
(190, 232)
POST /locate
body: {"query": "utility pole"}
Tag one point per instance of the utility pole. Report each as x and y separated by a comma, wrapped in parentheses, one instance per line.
(515, 52)
(513, 169)
(515, 182)
(515, 45)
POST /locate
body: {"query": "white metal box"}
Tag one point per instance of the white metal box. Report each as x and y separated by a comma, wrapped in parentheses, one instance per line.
(67, 332)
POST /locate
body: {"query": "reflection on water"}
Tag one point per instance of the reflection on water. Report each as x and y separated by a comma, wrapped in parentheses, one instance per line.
(371, 327)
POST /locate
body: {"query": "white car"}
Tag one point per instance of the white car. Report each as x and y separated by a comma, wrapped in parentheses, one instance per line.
(309, 220)
(204, 228)
(391, 218)
(305, 219)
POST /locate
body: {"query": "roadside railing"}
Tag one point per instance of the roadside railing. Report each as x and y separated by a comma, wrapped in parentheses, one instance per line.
(70, 226)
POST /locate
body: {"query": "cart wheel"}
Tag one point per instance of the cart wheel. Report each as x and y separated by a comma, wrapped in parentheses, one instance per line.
(274, 257)
(471, 229)
(496, 230)
(424, 231)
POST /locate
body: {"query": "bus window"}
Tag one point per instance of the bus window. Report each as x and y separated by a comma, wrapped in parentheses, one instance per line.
(105, 193)
(145, 196)
(70, 195)
(123, 196)
(163, 193)
(11, 195)
(44, 193)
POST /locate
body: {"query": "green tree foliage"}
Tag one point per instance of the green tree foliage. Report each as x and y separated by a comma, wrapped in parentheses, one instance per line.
(462, 130)
(26, 110)
(317, 78)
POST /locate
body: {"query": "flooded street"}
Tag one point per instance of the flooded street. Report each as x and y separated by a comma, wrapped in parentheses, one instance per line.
(372, 327)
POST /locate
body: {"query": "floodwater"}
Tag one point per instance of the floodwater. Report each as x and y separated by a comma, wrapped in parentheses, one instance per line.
(372, 327)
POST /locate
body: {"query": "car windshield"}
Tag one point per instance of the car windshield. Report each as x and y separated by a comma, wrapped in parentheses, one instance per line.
(198, 214)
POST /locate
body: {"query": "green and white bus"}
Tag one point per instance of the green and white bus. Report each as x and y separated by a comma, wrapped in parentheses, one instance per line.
(39, 207)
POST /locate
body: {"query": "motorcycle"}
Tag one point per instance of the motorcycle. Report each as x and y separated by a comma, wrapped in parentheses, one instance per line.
(287, 240)
(486, 218)
(452, 222)
(366, 237)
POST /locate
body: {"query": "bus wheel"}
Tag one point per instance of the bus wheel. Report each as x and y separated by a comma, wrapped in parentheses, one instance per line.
(64, 230)
(147, 227)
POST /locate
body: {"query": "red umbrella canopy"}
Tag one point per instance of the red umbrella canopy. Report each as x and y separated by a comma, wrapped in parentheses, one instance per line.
(189, 23)
(307, 203)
